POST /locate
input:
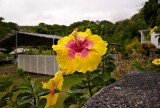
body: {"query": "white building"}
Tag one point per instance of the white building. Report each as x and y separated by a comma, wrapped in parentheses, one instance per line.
(153, 38)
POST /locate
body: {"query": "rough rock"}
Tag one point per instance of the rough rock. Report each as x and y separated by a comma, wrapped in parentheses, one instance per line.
(135, 90)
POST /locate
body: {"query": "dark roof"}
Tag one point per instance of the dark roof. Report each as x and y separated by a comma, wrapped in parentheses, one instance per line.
(28, 39)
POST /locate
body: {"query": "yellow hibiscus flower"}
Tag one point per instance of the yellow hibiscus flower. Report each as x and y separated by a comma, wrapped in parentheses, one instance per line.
(53, 84)
(80, 51)
(156, 61)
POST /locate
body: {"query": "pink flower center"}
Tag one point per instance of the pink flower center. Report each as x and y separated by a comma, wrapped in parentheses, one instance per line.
(52, 92)
(79, 46)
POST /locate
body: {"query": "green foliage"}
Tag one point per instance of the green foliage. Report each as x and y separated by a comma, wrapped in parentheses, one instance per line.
(6, 27)
(136, 65)
(120, 32)
(151, 13)
(134, 47)
(79, 93)
(127, 29)
(158, 30)
(30, 93)
(155, 68)
(40, 50)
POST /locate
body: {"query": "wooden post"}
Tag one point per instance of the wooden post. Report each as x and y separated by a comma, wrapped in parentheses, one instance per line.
(16, 56)
(53, 44)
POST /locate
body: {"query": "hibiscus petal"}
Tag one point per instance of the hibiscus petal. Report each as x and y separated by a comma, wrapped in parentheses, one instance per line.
(80, 51)
(88, 63)
(99, 46)
(52, 84)
(51, 100)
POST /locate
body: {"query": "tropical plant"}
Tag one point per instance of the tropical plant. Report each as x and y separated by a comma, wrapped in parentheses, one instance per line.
(31, 94)
(81, 52)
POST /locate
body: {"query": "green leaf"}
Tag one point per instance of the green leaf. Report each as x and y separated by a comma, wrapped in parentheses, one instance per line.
(79, 74)
(111, 64)
(84, 82)
(6, 96)
(24, 97)
(82, 101)
(3, 80)
(112, 80)
(3, 103)
(96, 71)
(98, 81)
(110, 68)
(25, 105)
(78, 95)
(42, 102)
(78, 86)
(2, 89)
(14, 89)
(23, 87)
(74, 102)
(33, 106)
(69, 101)
(81, 91)
(37, 87)
(74, 106)
(33, 82)
(108, 58)
(43, 92)
(7, 84)
(106, 75)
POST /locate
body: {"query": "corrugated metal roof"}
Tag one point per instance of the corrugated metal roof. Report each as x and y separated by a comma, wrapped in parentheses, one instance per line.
(41, 35)
(28, 39)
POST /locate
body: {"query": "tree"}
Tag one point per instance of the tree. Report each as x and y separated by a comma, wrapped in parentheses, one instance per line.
(1, 19)
(83, 25)
(151, 12)
(6, 28)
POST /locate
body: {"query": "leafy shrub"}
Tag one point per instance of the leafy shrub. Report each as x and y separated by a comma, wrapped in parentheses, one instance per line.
(30, 93)
(79, 93)
(134, 47)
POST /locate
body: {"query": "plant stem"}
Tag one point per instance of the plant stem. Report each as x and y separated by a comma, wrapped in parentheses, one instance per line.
(24, 79)
(103, 65)
(10, 98)
(33, 94)
(31, 87)
(89, 83)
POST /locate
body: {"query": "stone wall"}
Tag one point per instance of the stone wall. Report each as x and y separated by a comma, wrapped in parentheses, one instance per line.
(135, 90)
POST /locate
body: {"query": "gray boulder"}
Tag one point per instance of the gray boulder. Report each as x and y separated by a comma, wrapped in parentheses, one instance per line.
(135, 90)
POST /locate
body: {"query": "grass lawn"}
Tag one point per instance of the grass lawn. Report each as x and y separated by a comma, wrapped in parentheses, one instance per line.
(68, 81)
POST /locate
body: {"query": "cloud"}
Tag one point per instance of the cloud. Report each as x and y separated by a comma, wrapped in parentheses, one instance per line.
(32, 12)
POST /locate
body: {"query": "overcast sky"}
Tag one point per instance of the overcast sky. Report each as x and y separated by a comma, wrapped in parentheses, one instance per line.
(66, 12)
